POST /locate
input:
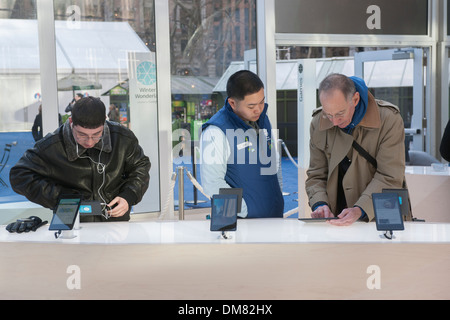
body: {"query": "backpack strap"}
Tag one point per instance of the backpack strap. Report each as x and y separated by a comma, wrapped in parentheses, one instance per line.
(365, 154)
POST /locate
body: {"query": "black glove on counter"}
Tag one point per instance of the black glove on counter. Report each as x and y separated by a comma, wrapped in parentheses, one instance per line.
(25, 225)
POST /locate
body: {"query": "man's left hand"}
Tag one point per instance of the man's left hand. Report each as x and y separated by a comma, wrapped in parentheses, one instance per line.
(121, 207)
(347, 217)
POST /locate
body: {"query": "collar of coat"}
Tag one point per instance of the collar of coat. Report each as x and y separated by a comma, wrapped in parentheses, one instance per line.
(370, 120)
(71, 148)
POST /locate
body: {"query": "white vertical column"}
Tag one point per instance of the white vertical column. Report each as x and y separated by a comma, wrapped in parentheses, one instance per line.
(47, 59)
(306, 103)
(162, 28)
(266, 50)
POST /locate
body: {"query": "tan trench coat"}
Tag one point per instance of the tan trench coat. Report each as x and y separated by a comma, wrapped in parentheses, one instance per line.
(381, 132)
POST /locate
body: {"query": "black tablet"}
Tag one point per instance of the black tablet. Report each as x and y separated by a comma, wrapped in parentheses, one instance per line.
(403, 200)
(236, 191)
(317, 219)
(388, 216)
(224, 212)
(66, 212)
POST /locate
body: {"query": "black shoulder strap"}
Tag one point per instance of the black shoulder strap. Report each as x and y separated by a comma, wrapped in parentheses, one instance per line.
(365, 154)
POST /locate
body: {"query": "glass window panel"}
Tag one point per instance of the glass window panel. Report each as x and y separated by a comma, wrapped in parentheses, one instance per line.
(106, 49)
(20, 90)
(206, 37)
(387, 80)
(208, 40)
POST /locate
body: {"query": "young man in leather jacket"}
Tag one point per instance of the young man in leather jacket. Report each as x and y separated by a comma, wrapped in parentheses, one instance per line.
(87, 155)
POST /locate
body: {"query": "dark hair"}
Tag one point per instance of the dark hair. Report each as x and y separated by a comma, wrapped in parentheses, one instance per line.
(336, 81)
(243, 83)
(80, 95)
(89, 113)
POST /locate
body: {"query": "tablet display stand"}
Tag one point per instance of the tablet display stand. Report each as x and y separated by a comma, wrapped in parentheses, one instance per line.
(388, 215)
(76, 225)
(65, 234)
(225, 235)
(389, 234)
(69, 234)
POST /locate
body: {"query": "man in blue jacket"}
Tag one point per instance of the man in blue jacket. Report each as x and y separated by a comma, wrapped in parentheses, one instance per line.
(238, 150)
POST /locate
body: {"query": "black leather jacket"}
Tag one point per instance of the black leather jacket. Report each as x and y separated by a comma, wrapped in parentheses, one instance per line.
(55, 166)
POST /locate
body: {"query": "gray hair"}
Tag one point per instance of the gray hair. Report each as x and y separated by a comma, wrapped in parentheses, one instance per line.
(337, 81)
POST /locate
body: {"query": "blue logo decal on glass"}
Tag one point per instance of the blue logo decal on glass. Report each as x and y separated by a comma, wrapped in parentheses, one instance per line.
(146, 73)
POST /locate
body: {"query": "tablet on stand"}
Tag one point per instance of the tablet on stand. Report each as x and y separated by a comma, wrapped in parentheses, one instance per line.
(66, 217)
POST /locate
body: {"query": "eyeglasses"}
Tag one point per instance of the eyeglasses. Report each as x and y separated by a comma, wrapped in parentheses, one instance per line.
(341, 114)
(80, 136)
(330, 117)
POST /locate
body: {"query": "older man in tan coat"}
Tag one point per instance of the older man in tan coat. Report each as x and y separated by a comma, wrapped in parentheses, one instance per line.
(340, 179)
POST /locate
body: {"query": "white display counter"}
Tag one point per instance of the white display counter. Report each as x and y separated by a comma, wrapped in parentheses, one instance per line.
(266, 259)
(288, 230)
(429, 190)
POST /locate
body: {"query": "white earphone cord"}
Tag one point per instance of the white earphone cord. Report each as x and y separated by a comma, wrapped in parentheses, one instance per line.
(101, 170)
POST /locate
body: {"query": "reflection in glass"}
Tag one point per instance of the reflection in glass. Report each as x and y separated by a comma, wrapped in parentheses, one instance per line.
(93, 42)
(20, 87)
(106, 49)
(387, 80)
(208, 41)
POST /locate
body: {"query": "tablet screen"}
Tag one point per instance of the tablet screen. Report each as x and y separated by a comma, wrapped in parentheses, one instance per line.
(224, 212)
(237, 191)
(403, 199)
(66, 213)
(388, 216)
(317, 219)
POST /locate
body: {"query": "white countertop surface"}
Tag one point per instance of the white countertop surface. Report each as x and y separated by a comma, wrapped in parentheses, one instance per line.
(288, 230)
(435, 170)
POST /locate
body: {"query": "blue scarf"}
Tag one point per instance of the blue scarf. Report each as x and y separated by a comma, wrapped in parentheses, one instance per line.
(361, 107)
